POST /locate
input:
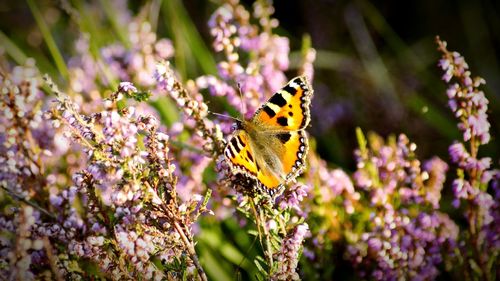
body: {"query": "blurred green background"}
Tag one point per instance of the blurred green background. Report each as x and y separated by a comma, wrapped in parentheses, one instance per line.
(375, 67)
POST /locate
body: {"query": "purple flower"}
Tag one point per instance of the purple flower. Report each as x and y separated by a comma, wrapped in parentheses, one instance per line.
(288, 256)
(292, 197)
(466, 101)
(458, 153)
(470, 105)
(127, 87)
(403, 247)
(436, 168)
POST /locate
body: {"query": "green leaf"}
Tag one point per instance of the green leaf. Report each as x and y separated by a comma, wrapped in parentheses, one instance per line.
(361, 141)
(139, 96)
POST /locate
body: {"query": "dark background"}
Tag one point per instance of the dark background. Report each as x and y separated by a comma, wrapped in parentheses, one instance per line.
(398, 37)
(376, 65)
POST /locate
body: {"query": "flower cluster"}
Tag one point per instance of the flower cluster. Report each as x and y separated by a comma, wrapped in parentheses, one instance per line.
(405, 237)
(254, 56)
(137, 186)
(19, 258)
(22, 132)
(474, 173)
(122, 207)
(287, 257)
(256, 59)
(403, 247)
(116, 61)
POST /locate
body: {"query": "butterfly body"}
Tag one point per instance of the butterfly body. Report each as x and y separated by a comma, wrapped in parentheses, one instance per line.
(272, 145)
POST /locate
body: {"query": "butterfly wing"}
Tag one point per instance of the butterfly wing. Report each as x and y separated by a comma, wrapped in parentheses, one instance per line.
(288, 109)
(240, 155)
(274, 152)
(292, 153)
(280, 159)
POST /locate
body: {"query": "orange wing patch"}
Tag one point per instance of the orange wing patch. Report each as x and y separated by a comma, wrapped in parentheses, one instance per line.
(295, 150)
(288, 109)
(242, 160)
(268, 180)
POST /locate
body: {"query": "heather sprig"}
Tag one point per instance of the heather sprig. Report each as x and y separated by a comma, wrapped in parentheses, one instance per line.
(280, 232)
(254, 57)
(122, 212)
(405, 235)
(480, 243)
(238, 38)
(22, 132)
(136, 185)
(193, 107)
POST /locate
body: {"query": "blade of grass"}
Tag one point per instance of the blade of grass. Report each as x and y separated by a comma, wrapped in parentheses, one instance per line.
(16, 50)
(12, 50)
(154, 14)
(49, 40)
(190, 48)
(405, 53)
(213, 240)
(378, 22)
(371, 59)
(329, 60)
(169, 113)
(212, 264)
(88, 25)
(119, 29)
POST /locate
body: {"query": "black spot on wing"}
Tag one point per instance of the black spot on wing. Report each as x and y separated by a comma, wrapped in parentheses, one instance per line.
(283, 121)
(278, 100)
(249, 156)
(234, 143)
(290, 114)
(298, 81)
(240, 141)
(290, 90)
(229, 152)
(284, 137)
(269, 111)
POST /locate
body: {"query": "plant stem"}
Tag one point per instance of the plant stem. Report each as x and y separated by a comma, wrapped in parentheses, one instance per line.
(192, 252)
(49, 39)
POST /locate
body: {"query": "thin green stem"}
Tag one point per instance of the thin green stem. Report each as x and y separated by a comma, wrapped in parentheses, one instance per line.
(11, 48)
(21, 198)
(263, 232)
(111, 14)
(49, 40)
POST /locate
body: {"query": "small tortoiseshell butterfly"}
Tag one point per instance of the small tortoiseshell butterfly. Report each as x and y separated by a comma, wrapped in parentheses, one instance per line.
(271, 147)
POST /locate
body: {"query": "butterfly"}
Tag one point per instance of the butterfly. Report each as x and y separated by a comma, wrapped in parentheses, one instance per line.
(271, 147)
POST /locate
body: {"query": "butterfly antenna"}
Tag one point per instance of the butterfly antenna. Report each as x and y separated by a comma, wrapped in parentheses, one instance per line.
(242, 109)
(223, 115)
